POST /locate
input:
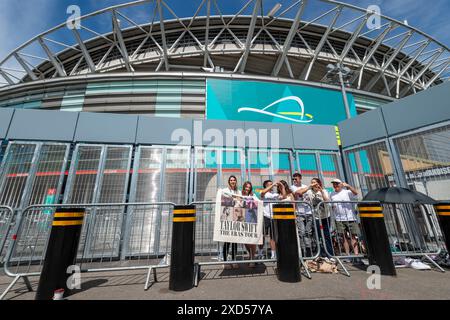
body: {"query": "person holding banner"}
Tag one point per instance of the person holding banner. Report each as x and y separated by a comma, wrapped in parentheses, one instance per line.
(250, 205)
(229, 193)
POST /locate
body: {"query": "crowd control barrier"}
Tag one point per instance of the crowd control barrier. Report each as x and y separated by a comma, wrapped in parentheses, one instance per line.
(6, 218)
(412, 231)
(209, 252)
(132, 236)
(114, 237)
(340, 230)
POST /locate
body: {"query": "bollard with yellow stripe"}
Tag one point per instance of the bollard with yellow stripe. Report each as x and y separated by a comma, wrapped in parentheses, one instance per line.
(443, 212)
(182, 252)
(288, 260)
(61, 251)
(376, 237)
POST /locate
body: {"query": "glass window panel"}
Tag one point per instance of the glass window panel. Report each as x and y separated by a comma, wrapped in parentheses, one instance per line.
(207, 168)
(330, 169)
(149, 175)
(176, 175)
(50, 171)
(258, 168)
(16, 171)
(231, 165)
(87, 163)
(308, 167)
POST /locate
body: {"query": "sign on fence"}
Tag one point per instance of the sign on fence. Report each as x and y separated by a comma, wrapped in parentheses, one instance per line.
(238, 219)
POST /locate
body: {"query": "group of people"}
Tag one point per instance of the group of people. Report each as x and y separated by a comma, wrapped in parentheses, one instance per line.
(311, 195)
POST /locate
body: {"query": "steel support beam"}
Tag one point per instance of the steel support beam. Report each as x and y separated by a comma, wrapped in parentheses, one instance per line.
(163, 35)
(6, 77)
(424, 69)
(119, 39)
(290, 37)
(25, 66)
(84, 50)
(59, 69)
(437, 75)
(353, 38)
(307, 70)
(208, 15)
(251, 31)
(380, 73)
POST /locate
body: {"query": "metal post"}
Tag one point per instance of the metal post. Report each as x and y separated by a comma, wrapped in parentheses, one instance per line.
(379, 251)
(344, 94)
(288, 258)
(61, 252)
(183, 246)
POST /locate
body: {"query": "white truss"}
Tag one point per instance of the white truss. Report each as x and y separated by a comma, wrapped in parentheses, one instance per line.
(391, 60)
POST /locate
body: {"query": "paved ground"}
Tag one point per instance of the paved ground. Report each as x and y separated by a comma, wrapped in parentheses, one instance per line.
(260, 283)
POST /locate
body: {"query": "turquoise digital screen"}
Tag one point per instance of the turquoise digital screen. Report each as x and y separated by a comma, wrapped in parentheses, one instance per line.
(274, 102)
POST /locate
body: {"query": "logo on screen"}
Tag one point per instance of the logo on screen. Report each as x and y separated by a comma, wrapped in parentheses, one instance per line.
(295, 114)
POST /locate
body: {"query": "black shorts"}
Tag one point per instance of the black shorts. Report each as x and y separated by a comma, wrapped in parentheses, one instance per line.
(268, 230)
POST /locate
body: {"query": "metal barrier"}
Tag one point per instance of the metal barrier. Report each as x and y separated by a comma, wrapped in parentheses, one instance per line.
(209, 252)
(412, 231)
(6, 219)
(115, 237)
(341, 231)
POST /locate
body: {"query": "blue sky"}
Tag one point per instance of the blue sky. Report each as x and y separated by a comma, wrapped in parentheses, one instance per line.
(36, 16)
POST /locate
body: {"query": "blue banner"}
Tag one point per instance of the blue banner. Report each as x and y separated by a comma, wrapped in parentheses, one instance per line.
(274, 102)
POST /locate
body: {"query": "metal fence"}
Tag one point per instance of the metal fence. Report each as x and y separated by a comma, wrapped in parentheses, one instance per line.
(6, 218)
(341, 232)
(412, 231)
(106, 244)
(209, 252)
(131, 236)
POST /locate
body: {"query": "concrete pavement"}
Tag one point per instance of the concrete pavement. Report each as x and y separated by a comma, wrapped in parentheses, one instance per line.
(253, 284)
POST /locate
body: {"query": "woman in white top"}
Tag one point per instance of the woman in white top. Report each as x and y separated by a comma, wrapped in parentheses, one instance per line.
(250, 215)
(231, 191)
(284, 191)
(315, 195)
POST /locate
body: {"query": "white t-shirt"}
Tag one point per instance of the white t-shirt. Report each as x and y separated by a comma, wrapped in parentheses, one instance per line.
(300, 208)
(230, 191)
(268, 206)
(343, 211)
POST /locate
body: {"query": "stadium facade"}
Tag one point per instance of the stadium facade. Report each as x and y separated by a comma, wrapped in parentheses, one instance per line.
(127, 77)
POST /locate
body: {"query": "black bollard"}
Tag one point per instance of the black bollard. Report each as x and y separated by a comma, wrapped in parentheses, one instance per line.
(376, 237)
(288, 260)
(443, 212)
(183, 245)
(61, 252)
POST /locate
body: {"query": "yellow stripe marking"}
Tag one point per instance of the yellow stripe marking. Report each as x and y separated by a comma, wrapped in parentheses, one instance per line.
(67, 223)
(444, 213)
(184, 211)
(184, 219)
(371, 215)
(283, 210)
(69, 215)
(442, 207)
(370, 208)
(284, 217)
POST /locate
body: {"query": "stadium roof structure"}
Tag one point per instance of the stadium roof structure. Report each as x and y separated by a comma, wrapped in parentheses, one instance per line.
(294, 40)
